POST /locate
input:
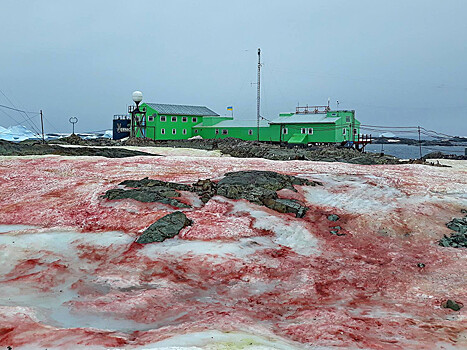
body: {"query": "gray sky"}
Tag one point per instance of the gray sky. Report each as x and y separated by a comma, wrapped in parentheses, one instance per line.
(398, 62)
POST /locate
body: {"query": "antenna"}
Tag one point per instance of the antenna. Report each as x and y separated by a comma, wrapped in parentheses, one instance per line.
(258, 93)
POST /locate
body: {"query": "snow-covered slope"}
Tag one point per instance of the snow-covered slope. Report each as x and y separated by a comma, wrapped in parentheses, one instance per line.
(242, 276)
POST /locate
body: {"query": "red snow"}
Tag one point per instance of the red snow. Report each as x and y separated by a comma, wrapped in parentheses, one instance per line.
(362, 290)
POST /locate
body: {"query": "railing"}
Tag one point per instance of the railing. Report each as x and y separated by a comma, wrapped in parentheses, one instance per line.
(312, 109)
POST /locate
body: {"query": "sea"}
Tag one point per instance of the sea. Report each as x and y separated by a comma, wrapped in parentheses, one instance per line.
(413, 152)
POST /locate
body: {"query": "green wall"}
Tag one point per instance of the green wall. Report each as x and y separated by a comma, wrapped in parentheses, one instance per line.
(331, 132)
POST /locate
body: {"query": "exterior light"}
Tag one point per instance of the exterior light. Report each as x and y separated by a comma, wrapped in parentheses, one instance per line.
(137, 96)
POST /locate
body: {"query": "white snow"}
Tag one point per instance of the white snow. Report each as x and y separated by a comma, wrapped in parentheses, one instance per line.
(17, 133)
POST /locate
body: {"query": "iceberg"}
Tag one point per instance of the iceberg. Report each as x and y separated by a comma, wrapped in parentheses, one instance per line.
(17, 133)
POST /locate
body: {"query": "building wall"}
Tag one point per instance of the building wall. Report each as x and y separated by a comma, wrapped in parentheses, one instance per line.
(321, 132)
(155, 125)
(244, 133)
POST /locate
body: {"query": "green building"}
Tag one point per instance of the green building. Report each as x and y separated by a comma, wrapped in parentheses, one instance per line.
(308, 125)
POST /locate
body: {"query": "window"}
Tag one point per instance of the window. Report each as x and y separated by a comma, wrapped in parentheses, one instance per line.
(163, 131)
(285, 131)
(310, 131)
(217, 132)
(355, 131)
(303, 130)
(163, 118)
(347, 119)
(184, 119)
(194, 119)
(196, 131)
(225, 131)
(344, 131)
(150, 118)
(174, 131)
(184, 131)
(333, 114)
(174, 119)
(250, 132)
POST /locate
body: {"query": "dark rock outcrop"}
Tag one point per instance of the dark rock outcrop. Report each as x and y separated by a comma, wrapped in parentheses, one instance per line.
(36, 148)
(256, 186)
(260, 187)
(458, 239)
(451, 304)
(166, 227)
(148, 191)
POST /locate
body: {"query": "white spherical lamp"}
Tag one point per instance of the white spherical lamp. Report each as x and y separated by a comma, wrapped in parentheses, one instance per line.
(137, 96)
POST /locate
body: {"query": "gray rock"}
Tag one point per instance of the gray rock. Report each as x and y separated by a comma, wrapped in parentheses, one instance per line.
(158, 194)
(166, 227)
(333, 217)
(451, 304)
(286, 206)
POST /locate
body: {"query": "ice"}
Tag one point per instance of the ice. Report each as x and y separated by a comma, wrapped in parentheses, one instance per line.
(16, 133)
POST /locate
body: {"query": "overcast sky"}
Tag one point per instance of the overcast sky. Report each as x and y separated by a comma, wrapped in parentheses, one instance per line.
(397, 63)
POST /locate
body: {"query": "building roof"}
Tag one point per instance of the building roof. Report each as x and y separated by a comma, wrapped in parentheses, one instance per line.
(201, 111)
(234, 124)
(305, 118)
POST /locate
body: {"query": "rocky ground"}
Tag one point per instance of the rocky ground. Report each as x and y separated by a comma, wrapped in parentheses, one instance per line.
(249, 149)
(223, 267)
(30, 148)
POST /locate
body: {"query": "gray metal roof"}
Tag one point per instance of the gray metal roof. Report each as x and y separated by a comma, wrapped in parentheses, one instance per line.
(168, 109)
(305, 118)
(234, 124)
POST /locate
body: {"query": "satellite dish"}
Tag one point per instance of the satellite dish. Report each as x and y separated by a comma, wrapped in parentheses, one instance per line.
(137, 96)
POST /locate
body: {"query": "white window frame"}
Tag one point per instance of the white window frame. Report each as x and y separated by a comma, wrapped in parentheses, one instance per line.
(174, 131)
(216, 132)
(163, 118)
(194, 119)
(285, 131)
(225, 131)
(310, 131)
(150, 118)
(303, 130)
(184, 131)
(173, 119)
(196, 131)
(250, 132)
(184, 119)
(344, 131)
(162, 131)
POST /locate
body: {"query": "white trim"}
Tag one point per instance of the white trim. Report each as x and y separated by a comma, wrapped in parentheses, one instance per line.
(184, 119)
(184, 131)
(163, 118)
(173, 119)
(225, 131)
(250, 132)
(162, 131)
(174, 131)
(194, 119)
(150, 118)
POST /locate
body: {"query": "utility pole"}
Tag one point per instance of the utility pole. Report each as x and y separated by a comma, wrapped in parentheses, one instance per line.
(42, 126)
(258, 94)
(419, 143)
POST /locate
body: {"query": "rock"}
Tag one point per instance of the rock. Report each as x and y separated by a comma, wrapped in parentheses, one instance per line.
(451, 304)
(286, 206)
(146, 182)
(206, 189)
(333, 217)
(458, 239)
(158, 194)
(260, 187)
(37, 148)
(166, 227)
(459, 225)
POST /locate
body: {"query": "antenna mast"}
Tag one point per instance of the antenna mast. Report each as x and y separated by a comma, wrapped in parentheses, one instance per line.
(258, 96)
